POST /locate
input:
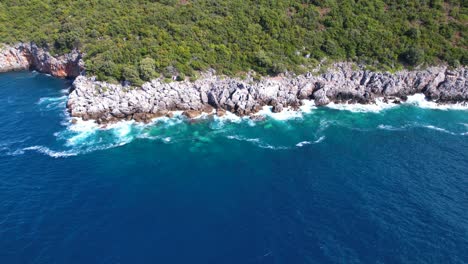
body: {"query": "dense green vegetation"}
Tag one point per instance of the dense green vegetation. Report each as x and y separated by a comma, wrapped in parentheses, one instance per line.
(139, 39)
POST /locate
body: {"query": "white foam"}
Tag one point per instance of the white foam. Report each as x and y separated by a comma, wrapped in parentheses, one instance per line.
(78, 133)
(286, 114)
(320, 139)
(167, 121)
(229, 117)
(307, 106)
(51, 99)
(268, 146)
(438, 129)
(205, 115)
(48, 152)
(388, 127)
(257, 142)
(376, 107)
(303, 143)
(53, 102)
(244, 139)
(431, 127)
(121, 129)
(419, 100)
(81, 130)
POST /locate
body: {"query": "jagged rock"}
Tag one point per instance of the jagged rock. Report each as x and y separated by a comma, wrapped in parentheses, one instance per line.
(191, 113)
(257, 118)
(306, 91)
(25, 56)
(341, 83)
(277, 108)
(220, 112)
(321, 98)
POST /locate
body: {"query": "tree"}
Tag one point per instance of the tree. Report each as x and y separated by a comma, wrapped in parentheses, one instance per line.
(147, 69)
(129, 73)
(413, 56)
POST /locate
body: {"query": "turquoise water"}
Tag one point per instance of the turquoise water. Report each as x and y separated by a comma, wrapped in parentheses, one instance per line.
(324, 186)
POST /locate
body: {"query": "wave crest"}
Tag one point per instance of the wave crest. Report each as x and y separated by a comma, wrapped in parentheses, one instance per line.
(419, 100)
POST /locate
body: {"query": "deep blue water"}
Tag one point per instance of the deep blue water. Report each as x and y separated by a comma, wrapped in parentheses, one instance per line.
(330, 186)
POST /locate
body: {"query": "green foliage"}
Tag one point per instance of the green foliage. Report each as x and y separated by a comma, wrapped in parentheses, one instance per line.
(413, 56)
(137, 40)
(147, 69)
(130, 73)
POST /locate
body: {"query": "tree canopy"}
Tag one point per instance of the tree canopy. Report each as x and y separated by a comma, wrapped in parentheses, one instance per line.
(139, 39)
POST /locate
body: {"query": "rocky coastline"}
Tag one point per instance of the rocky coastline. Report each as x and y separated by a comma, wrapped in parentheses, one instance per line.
(214, 94)
(342, 83)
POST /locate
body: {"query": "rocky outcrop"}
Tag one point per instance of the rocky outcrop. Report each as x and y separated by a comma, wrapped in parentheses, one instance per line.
(105, 102)
(25, 56)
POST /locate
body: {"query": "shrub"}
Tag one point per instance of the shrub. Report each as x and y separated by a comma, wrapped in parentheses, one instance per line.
(147, 69)
(413, 56)
(129, 73)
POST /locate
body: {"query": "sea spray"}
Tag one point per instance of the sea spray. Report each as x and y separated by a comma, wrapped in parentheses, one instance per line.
(376, 107)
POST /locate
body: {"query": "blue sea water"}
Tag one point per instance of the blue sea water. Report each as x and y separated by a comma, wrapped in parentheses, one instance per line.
(326, 186)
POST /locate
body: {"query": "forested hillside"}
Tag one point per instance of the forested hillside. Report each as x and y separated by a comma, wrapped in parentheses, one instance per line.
(139, 39)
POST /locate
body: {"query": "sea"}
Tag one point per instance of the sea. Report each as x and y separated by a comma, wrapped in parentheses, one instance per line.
(338, 184)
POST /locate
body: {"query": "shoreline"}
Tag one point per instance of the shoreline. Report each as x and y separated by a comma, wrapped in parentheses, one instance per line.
(108, 103)
(308, 106)
(343, 83)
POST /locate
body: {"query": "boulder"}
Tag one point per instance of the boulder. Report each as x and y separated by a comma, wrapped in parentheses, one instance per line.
(191, 113)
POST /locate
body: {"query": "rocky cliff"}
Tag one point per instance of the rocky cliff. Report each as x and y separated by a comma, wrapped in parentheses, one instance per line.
(25, 56)
(343, 83)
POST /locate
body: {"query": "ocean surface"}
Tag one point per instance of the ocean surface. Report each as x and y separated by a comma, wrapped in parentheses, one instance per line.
(339, 184)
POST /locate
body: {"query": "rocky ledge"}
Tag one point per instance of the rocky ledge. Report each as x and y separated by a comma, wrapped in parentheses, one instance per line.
(343, 83)
(28, 56)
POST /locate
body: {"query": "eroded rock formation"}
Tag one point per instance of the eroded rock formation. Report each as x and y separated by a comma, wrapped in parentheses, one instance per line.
(25, 56)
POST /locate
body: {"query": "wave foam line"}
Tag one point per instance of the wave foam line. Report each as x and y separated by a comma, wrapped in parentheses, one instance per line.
(52, 102)
(439, 129)
(286, 114)
(390, 128)
(431, 127)
(46, 151)
(257, 142)
(303, 143)
(378, 106)
(419, 100)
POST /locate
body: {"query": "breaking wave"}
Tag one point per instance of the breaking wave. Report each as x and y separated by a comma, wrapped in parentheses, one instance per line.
(379, 106)
(419, 100)
(277, 131)
(52, 103)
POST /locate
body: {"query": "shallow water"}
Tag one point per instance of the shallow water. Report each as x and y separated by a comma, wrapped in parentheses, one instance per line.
(343, 184)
